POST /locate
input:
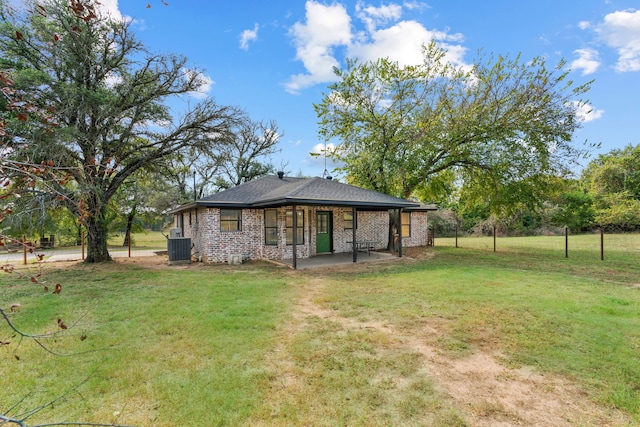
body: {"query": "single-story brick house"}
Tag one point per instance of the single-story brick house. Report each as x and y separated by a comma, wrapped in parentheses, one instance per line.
(256, 220)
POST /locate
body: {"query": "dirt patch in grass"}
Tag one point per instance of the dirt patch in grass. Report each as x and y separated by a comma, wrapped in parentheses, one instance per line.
(481, 388)
(492, 394)
(154, 262)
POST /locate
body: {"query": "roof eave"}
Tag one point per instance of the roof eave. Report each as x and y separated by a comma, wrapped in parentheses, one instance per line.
(423, 208)
(181, 208)
(236, 205)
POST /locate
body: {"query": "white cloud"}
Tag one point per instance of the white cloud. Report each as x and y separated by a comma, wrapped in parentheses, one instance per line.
(588, 61)
(247, 36)
(318, 159)
(403, 43)
(416, 5)
(319, 149)
(621, 31)
(205, 83)
(585, 113)
(373, 16)
(583, 25)
(109, 8)
(328, 28)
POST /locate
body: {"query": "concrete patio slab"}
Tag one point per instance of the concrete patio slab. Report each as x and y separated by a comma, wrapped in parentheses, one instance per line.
(327, 260)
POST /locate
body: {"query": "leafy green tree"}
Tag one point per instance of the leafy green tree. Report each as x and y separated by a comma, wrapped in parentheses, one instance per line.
(441, 189)
(502, 125)
(107, 96)
(613, 180)
(575, 210)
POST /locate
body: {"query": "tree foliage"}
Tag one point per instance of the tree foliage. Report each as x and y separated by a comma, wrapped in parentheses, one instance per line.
(575, 210)
(613, 180)
(107, 115)
(500, 126)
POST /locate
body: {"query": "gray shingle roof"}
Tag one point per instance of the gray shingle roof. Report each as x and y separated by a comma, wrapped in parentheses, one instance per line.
(272, 191)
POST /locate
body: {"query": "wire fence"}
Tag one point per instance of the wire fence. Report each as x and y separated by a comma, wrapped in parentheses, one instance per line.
(596, 245)
(25, 251)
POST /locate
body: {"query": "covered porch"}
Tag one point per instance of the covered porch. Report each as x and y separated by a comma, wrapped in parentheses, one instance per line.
(327, 234)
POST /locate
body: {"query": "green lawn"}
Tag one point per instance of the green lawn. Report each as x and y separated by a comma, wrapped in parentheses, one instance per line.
(146, 240)
(222, 345)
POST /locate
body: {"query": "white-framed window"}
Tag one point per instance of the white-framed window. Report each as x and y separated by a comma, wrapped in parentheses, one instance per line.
(405, 222)
(270, 227)
(230, 220)
(299, 227)
(348, 220)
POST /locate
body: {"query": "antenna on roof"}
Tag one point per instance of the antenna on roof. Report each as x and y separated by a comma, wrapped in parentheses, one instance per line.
(325, 173)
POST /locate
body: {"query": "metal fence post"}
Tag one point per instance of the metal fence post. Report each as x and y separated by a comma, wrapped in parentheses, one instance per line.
(494, 238)
(456, 234)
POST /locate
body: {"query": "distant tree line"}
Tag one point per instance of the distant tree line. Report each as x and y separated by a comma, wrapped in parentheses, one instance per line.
(605, 196)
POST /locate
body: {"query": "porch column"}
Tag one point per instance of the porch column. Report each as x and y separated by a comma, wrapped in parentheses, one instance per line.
(400, 234)
(295, 238)
(353, 237)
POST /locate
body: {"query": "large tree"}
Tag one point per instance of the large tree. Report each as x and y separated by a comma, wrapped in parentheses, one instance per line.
(501, 125)
(107, 97)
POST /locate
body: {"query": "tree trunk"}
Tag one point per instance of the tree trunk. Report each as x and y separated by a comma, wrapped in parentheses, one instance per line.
(97, 240)
(130, 218)
(394, 229)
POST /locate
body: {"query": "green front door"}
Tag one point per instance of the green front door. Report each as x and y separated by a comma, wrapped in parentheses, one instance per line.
(323, 232)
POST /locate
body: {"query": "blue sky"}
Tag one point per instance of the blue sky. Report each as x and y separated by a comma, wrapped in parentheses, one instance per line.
(274, 58)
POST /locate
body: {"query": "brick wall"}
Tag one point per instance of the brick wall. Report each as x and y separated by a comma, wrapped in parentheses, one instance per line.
(373, 226)
(418, 230)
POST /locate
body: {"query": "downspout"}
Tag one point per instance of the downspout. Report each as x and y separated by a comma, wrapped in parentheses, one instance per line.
(295, 238)
(400, 234)
(353, 239)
